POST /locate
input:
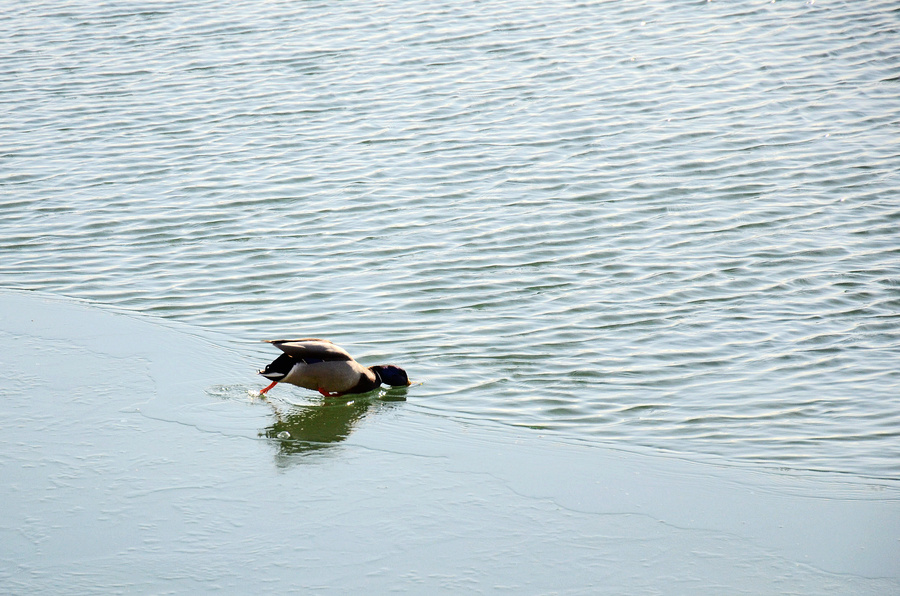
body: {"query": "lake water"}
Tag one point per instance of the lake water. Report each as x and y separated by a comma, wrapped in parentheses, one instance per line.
(667, 224)
(664, 225)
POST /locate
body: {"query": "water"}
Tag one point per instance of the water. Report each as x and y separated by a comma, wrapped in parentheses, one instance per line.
(671, 225)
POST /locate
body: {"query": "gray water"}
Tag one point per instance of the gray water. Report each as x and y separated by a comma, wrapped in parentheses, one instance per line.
(660, 224)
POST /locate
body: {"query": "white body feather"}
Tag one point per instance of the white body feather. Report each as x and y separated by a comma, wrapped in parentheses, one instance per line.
(335, 376)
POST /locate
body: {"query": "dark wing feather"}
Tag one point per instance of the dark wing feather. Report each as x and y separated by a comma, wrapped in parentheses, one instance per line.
(311, 348)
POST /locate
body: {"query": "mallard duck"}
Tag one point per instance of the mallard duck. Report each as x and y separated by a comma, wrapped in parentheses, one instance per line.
(320, 365)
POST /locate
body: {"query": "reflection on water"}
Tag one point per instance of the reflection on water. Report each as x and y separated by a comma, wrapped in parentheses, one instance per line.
(299, 429)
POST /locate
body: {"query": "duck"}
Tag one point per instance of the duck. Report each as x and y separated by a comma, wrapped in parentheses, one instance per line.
(320, 365)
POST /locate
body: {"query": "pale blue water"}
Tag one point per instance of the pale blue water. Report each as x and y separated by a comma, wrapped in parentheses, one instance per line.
(129, 468)
(659, 224)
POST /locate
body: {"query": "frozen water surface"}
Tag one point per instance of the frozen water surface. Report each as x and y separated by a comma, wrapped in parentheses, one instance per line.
(134, 461)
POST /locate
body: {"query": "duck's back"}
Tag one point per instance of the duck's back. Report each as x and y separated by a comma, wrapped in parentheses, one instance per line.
(311, 348)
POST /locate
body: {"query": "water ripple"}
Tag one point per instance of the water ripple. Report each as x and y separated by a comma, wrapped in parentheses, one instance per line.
(662, 224)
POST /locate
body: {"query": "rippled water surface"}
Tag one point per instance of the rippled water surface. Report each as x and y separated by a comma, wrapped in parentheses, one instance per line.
(672, 224)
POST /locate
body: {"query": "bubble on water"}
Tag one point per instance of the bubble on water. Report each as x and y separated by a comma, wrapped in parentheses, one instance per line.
(284, 435)
(230, 391)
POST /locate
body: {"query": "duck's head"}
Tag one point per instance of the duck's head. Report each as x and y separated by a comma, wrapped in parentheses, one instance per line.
(392, 375)
(278, 368)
